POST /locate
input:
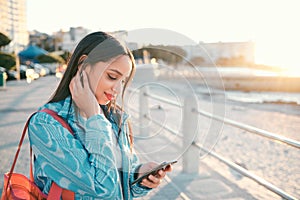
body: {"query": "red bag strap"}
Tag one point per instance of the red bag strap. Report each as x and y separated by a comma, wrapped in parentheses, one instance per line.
(58, 118)
(18, 151)
(55, 191)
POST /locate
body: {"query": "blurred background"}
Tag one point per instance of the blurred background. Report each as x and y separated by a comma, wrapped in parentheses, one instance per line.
(239, 58)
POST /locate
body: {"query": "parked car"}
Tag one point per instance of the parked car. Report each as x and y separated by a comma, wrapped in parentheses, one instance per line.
(52, 67)
(40, 69)
(28, 73)
(10, 74)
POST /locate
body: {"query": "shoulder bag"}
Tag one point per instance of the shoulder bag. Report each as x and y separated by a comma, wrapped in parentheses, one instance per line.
(18, 186)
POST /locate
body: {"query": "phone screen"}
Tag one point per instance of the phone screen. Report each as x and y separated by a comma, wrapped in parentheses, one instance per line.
(153, 171)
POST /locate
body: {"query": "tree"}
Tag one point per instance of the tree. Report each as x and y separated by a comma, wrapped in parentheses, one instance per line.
(7, 61)
(4, 40)
(232, 61)
(50, 58)
(138, 53)
(65, 56)
(170, 54)
(198, 60)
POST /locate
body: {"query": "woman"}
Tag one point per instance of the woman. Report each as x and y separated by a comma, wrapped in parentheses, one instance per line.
(98, 162)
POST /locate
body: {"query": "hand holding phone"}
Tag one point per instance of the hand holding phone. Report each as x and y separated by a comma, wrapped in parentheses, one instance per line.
(154, 171)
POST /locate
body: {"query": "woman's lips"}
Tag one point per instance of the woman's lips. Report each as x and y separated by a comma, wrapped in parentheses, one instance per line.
(109, 96)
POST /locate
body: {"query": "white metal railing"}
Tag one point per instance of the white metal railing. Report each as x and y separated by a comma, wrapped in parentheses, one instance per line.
(247, 173)
(251, 129)
(194, 150)
(170, 102)
(243, 126)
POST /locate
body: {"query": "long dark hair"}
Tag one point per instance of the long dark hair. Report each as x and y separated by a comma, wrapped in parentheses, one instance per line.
(97, 46)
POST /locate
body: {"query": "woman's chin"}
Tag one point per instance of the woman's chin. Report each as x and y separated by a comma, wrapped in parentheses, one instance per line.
(103, 103)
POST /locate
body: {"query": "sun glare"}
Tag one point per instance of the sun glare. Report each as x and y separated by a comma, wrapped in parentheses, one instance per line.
(282, 55)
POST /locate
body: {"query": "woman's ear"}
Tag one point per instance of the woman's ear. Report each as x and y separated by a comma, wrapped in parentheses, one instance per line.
(81, 60)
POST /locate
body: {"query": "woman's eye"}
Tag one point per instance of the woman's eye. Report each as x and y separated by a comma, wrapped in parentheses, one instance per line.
(112, 77)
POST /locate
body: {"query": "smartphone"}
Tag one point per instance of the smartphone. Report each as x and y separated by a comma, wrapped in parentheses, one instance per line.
(81, 73)
(154, 171)
(81, 79)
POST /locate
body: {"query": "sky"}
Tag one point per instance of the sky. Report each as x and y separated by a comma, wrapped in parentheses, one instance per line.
(271, 24)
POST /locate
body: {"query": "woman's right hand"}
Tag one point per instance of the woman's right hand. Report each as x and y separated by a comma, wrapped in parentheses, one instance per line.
(83, 96)
(153, 181)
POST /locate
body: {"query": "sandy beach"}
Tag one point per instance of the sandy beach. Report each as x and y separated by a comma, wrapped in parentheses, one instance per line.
(276, 162)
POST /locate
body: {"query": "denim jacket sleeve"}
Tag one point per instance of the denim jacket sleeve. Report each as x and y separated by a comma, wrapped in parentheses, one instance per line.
(85, 169)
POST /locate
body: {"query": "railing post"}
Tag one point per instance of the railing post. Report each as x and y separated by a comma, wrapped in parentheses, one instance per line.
(190, 132)
(143, 111)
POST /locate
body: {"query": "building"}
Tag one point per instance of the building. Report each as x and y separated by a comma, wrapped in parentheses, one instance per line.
(42, 40)
(122, 35)
(67, 40)
(14, 24)
(213, 53)
(220, 53)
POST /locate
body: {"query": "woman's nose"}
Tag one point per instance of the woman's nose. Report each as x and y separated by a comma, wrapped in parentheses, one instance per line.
(117, 87)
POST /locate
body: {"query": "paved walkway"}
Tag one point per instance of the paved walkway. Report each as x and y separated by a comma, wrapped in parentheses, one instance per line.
(20, 99)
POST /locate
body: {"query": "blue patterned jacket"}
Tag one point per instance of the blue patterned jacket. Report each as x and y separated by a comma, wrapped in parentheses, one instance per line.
(84, 163)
